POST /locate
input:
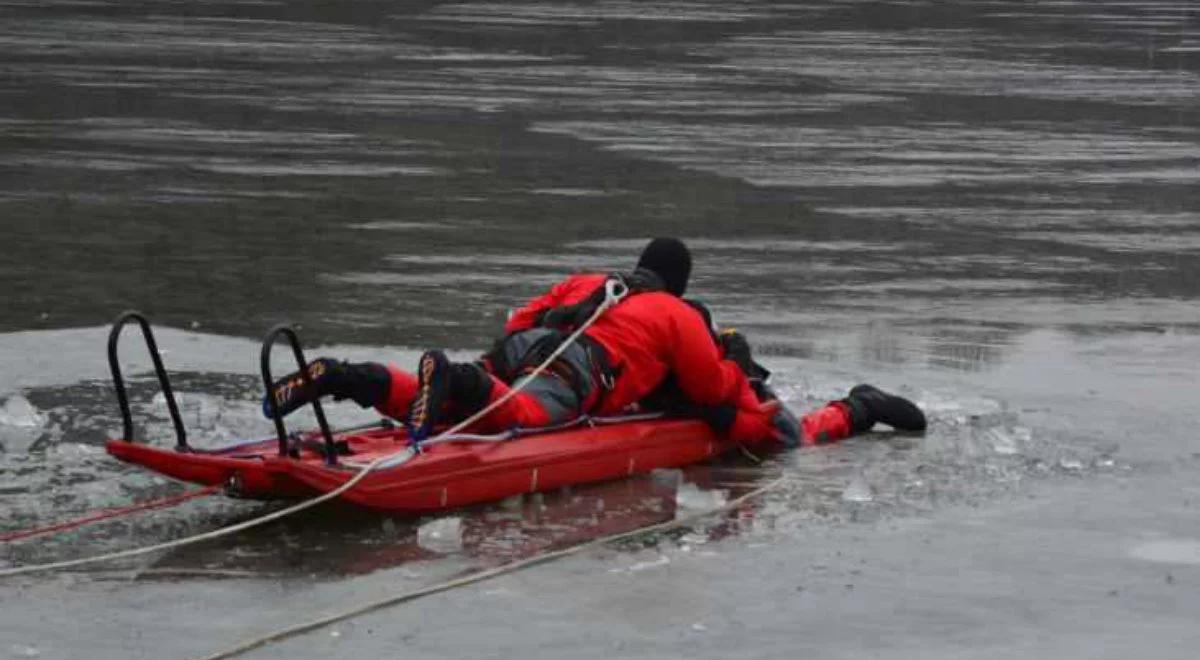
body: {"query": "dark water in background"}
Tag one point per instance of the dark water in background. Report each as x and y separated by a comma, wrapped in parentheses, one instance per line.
(936, 195)
(398, 173)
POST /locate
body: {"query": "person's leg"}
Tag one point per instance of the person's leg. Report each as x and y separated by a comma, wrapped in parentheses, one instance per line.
(402, 387)
(392, 391)
(543, 401)
(862, 409)
(825, 425)
(869, 404)
(447, 391)
(366, 383)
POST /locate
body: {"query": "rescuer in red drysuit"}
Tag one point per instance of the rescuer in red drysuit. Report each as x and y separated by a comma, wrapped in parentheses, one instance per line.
(625, 355)
(771, 422)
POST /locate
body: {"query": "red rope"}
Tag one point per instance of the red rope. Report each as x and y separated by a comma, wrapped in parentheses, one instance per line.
(107, 514)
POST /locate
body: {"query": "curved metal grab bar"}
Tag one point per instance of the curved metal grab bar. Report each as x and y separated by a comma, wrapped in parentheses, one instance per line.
(114, 365)
(302, 363)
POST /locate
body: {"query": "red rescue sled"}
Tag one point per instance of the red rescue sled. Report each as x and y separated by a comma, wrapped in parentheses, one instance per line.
(446, 473)
(452, 473)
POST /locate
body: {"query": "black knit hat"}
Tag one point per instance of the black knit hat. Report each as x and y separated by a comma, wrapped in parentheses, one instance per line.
(670, 259)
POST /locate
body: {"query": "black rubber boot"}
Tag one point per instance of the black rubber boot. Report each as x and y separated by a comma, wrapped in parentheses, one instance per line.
(869, 404)
(367, 383)
(445, 387)
(433, 390)
(470, 387)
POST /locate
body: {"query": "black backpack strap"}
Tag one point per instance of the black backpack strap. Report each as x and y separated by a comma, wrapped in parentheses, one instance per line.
(567, 318)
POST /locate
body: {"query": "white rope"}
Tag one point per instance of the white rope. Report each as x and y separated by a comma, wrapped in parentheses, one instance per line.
(614, 291)
(480, 576)
(397, 460)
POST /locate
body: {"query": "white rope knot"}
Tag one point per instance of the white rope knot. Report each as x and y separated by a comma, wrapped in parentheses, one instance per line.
(615, 290)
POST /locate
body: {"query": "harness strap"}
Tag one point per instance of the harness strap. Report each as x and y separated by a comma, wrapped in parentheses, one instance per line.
(566, 318)
(590, 378)
(604, 372)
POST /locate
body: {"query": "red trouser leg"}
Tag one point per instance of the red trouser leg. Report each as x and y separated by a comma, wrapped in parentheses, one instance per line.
(400, 393)
(523, 410)
(825, 425)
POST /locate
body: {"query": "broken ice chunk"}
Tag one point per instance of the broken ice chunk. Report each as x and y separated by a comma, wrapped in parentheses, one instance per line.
(441, 535)
(20, 424)
(858, 490)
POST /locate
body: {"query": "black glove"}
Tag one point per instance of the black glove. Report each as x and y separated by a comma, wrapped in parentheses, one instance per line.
(738, 349)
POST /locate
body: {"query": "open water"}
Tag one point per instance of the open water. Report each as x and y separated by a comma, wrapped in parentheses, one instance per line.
(992, 207)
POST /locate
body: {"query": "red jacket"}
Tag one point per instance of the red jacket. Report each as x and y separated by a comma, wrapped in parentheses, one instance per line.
(647, 336)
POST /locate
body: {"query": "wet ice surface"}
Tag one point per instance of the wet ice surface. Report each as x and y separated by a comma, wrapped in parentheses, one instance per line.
(809, 67)
(979, 447)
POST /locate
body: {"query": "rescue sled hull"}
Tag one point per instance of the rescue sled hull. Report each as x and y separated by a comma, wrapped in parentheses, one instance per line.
(459, 474)
(444, 476)
(242, 469)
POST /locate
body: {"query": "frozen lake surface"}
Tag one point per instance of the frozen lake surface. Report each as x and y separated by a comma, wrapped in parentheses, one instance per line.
(991, 207)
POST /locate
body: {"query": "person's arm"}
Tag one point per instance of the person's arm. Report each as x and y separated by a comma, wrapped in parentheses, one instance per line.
(703, 376)
(528, 316)
(749, 420)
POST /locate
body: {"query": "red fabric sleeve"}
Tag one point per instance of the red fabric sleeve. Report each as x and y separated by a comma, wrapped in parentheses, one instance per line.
(526, 317)
(702, 375)
(754, 427)
(567, 292)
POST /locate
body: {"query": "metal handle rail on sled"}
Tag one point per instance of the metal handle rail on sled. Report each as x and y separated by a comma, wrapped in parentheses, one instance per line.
(164, 381)
(302, 365)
